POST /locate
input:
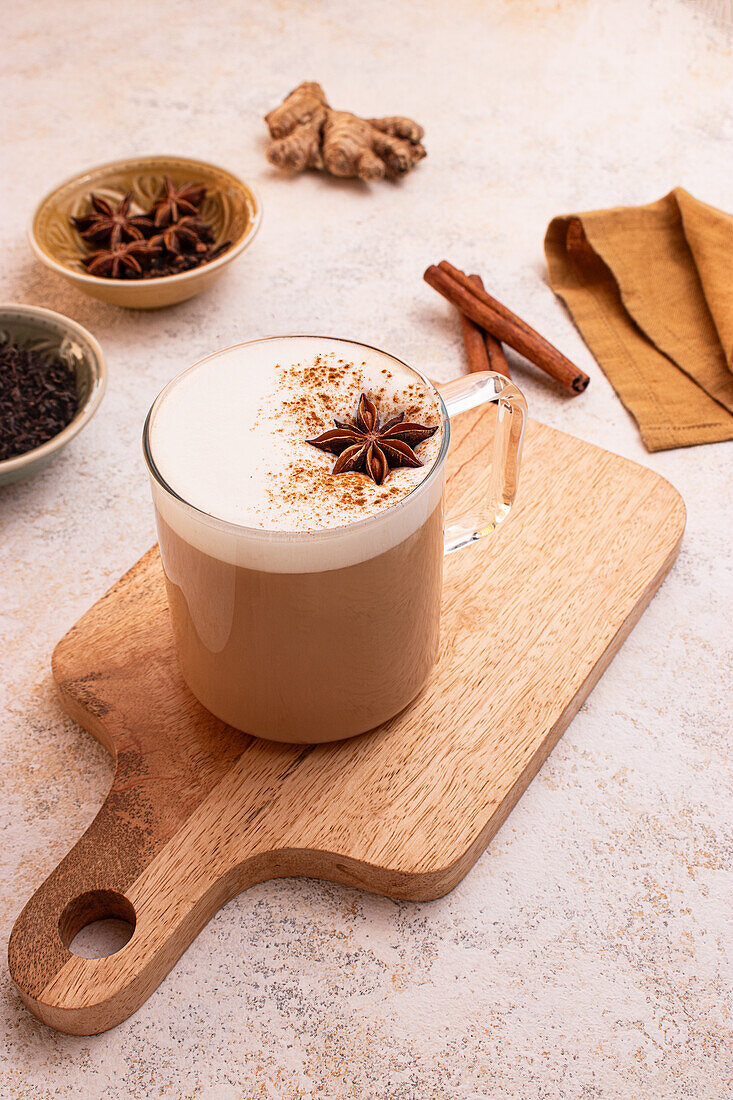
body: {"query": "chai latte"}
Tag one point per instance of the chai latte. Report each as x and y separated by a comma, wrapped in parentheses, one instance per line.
(305, 604)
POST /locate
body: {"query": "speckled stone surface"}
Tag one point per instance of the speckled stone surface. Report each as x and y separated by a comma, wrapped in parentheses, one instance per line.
(585, 954)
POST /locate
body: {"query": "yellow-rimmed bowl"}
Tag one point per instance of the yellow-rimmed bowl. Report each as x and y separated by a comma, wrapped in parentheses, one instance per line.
(231, 207)
(53, 335)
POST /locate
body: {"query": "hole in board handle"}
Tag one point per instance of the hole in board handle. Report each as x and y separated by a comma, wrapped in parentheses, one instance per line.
(97, 924)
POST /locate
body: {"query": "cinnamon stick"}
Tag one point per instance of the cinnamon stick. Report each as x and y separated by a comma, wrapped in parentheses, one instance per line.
(477, 353)
(497, 358)
(494, 350)
(495, 318)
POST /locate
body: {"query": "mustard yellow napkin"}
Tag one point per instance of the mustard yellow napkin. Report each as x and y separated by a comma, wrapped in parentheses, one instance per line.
(651, 290)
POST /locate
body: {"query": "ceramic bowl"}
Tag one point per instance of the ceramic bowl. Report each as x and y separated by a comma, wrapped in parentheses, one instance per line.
(231, 206)
(48, 332)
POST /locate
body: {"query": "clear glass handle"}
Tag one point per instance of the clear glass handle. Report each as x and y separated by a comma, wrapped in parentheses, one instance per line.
(466, 393)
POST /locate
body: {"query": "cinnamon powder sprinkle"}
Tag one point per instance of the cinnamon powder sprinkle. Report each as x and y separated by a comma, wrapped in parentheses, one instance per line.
(311, 395)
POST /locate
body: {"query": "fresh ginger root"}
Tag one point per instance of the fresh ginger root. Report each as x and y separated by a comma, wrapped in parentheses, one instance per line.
(308, 133)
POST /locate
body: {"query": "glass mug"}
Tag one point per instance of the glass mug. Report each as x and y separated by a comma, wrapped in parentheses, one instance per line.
(280, 647)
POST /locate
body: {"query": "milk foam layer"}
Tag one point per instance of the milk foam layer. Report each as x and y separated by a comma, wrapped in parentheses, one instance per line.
(229, 437)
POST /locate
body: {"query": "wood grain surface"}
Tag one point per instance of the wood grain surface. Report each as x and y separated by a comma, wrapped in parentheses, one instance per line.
(198, 812)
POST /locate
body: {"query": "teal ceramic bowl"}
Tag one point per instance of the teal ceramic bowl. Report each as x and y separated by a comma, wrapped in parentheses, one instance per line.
(51, 333)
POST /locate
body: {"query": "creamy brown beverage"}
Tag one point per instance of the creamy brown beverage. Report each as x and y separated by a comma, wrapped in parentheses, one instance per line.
(305, 603)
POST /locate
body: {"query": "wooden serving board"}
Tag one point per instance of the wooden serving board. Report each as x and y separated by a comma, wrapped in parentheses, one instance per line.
(198, 812)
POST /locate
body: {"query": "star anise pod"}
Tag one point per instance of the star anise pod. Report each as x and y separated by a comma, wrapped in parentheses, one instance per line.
(127, 259)
(371, 446)
(177, 202)
(108, 224)
(188, 234)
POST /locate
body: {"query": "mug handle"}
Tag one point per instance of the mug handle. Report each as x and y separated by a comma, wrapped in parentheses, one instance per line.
(466, 393)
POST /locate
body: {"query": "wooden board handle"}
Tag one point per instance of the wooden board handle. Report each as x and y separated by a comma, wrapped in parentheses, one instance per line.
(89, 884)
(103, 876)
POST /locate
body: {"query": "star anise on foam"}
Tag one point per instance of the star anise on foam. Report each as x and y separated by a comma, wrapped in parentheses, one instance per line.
(127, 259)
(177, 202)
(373, 447)
(108, 224)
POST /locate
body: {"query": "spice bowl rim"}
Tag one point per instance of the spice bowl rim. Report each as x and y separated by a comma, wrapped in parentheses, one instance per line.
(156, 160)
(96, 366)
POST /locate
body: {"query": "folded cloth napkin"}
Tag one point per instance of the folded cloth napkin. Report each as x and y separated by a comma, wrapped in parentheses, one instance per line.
(651, 290)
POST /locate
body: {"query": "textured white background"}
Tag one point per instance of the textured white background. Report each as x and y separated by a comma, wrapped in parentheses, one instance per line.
(584, 956)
